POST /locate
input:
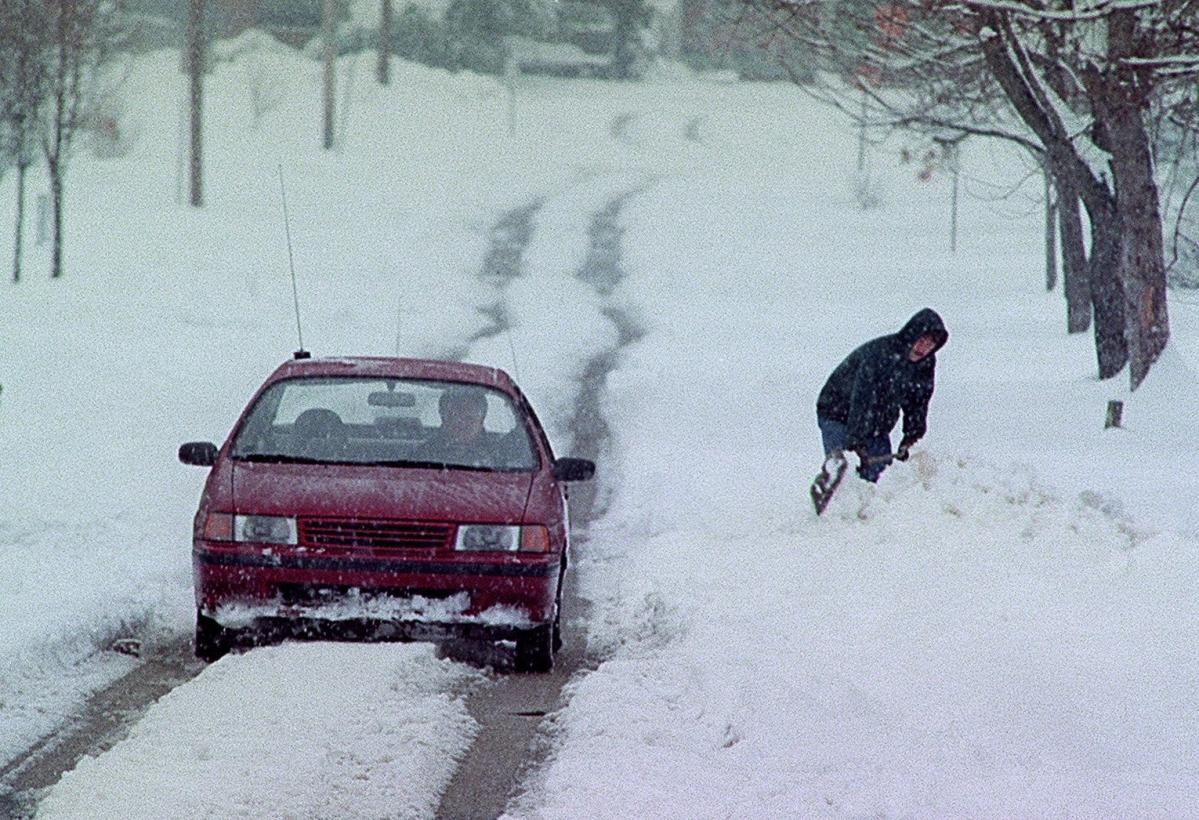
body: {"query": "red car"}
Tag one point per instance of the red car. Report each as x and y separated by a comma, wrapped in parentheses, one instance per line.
(404, 498)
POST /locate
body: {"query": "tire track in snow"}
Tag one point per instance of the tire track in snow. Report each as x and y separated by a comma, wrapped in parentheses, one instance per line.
(510, 746)
(104, 720)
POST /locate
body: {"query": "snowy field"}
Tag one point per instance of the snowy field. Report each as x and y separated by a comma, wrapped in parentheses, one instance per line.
(1004, 626)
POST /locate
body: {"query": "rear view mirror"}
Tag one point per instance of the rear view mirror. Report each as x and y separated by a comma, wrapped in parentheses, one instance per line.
(573, 469)
(198, 453)
(389, 398)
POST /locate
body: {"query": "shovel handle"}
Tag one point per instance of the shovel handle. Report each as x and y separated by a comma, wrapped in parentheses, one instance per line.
(885, 458)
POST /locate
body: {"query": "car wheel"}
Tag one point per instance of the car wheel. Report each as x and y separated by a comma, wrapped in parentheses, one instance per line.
(557, 639)
(535, 649)
(212, 640)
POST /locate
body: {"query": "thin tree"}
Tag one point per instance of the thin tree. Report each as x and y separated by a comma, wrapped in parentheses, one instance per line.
(82, 35)
(23, 88)
(383, 70)
(1072, 80)
(195, 73)
(328, 30)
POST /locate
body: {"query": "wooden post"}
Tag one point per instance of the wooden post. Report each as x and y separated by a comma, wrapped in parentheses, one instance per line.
(384, 68)
(330, 56)
(1115, 413)
(195, 71)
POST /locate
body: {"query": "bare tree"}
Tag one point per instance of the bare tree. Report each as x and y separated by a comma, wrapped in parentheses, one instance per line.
(329, 51)
(194, 57)
(81, 35)
(23, 87)
(383, 69)
(1072, 80)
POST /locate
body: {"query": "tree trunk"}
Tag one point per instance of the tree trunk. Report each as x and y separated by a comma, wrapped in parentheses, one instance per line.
(1107, 294)
(1142, 258)
(56, 194)
(624, 38)
(384, 68)
(1120, 114)
(1075, 271)
(329, 79)
(18, 242)
(195, 70)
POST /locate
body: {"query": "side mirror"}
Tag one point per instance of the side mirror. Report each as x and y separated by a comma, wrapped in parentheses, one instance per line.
(573, 469)
(198, 453)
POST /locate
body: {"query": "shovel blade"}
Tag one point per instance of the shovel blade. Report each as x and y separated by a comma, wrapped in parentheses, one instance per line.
(829, 479)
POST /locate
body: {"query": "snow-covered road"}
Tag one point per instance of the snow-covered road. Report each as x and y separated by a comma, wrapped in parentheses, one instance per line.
(301, 730)
(1001, 628)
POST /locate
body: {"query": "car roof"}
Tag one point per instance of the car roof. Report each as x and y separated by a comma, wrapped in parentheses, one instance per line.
(395, 367)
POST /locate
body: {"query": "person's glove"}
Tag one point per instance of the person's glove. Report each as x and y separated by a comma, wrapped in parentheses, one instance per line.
(902, 453)
(863, 458)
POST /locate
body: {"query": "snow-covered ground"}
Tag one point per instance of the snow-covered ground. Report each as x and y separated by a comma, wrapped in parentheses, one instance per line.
(256, 738)
(1004, 626)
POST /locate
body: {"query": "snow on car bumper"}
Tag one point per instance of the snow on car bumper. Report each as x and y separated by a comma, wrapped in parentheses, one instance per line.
(227, 576)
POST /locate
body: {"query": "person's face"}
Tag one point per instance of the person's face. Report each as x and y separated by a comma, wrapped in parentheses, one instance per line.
(463, 420)
(921, 348)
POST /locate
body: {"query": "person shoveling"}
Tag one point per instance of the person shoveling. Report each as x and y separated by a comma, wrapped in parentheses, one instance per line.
(860, 403)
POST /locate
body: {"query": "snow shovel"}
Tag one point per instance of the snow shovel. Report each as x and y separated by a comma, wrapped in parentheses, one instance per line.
(833, 470)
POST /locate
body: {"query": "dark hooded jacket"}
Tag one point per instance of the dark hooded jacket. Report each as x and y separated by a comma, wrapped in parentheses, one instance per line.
(867, 391)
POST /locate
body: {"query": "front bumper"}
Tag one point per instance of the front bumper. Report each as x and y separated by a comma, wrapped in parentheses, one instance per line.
(259, 578)
(272, 629)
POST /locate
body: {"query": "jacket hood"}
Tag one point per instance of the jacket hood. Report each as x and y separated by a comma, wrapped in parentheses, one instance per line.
(926, 322)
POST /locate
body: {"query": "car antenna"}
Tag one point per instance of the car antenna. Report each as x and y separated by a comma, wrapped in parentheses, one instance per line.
(291, 262)
(512, 349)
(399, 325)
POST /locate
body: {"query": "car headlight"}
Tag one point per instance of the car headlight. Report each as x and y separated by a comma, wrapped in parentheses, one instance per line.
(487, 537)
(264, 529)
(498, 538)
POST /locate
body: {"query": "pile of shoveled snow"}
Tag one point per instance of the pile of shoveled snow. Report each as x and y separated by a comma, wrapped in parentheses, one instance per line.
(956, 640)
(300, 730)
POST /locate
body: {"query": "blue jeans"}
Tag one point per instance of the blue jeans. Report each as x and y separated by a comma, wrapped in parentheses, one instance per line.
(836, 437)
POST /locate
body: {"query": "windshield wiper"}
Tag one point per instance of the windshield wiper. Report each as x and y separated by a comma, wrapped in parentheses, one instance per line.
(425, 465)
(282, 458)
(278, 458)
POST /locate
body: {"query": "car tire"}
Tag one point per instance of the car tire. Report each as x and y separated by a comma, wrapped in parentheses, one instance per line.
(557, 639)
(212, 639)
(535, 649)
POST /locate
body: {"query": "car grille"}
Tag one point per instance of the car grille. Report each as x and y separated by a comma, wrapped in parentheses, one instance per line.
(354, 534)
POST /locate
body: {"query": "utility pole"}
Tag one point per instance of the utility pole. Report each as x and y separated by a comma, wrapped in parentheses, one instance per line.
(330, 55)
(384, 70)
(195, 70)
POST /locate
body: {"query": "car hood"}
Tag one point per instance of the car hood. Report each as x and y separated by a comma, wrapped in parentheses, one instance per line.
(403, 493)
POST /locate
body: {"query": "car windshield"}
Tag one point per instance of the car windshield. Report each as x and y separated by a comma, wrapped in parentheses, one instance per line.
(386, 422)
